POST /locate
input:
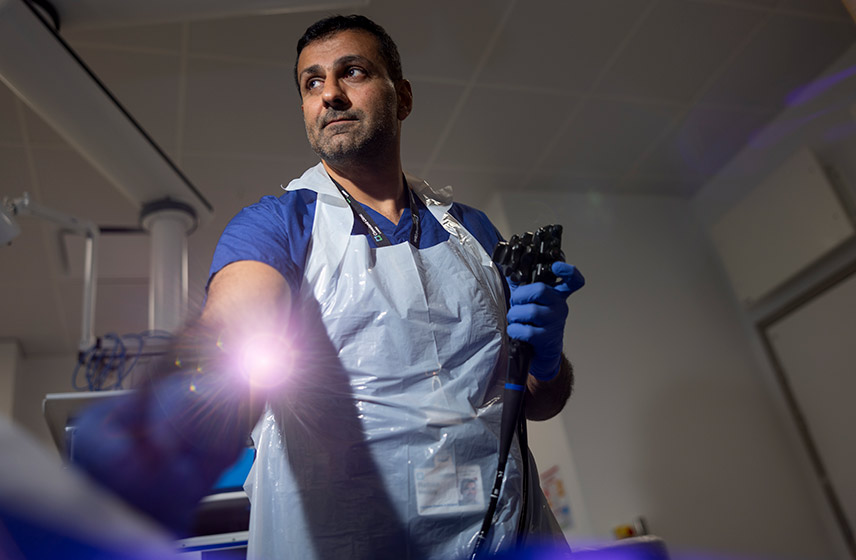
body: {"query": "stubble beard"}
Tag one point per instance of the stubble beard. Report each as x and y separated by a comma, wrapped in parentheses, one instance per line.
(362, 141)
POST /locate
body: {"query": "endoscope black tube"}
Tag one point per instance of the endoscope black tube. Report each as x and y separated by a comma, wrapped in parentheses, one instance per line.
(524, 260)
(520, 354)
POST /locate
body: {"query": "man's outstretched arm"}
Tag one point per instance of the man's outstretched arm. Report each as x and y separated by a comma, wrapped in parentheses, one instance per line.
(163, 447)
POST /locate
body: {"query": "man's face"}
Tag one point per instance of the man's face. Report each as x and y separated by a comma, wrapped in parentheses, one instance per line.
(351, 108)
(468, 495)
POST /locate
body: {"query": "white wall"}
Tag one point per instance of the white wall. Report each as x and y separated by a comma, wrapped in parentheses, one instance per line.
(826, 124)
(10, 356)
(670, 419)
(38, 376)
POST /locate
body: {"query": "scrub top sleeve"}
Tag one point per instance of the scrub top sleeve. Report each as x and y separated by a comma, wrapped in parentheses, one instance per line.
(270, 232)
(480, 226)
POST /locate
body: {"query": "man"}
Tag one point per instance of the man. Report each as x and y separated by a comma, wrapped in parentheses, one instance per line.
(469, 491)
(387, 323)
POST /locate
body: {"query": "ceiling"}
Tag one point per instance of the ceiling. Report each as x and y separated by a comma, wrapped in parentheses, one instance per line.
(645, 97)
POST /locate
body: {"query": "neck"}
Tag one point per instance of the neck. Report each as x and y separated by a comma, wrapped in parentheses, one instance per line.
(379, 187)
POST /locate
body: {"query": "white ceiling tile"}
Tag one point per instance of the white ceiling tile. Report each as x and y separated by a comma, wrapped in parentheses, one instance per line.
(242, 108)
(69, 184)
(448, 41)
(820, 7)
(751, 3)
(442, 38)
(787, 53)
(608, 136)
(677, 48)
(433, 105)
(560, 45)
(10, 128)
(705, 140)
(675, 156)
(551, 180)
(161, 37)
(147, 85)
(14, 175)
(504, 128)
(268, 38)
(40, 132)
(664, 186)
(231, 183)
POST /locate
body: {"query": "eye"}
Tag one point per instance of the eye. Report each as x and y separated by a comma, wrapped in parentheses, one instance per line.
(355, 72)
(313, 83)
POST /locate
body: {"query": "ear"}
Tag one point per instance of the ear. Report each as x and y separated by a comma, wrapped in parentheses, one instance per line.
(405, 99)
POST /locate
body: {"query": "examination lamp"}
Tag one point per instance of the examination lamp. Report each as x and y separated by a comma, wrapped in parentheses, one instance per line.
(9, 230)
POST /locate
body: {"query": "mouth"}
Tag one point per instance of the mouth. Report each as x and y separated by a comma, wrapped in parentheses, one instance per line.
(337, 121)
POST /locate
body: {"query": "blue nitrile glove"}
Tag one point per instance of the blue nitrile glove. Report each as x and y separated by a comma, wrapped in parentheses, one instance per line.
(537, 316)
(163, 449)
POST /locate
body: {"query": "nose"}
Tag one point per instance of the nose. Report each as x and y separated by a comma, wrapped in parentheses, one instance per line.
(334, 96)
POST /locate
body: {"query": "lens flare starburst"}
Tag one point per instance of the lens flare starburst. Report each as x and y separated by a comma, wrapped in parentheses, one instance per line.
(266, 360)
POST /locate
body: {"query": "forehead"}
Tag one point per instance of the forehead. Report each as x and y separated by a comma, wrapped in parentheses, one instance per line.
(326, 51)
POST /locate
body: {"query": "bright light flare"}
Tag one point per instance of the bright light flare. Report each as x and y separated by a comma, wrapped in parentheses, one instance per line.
(266, 360)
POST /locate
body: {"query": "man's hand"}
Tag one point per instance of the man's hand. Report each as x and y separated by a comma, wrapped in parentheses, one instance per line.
(537, 316)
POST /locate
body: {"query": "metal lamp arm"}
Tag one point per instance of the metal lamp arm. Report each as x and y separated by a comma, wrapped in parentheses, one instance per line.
(25, 206)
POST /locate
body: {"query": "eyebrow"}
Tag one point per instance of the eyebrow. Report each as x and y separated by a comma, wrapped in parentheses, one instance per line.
(341, 61)
(349, 58)
(314, 69)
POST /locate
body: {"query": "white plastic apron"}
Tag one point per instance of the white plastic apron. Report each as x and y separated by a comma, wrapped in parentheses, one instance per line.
(384, 444)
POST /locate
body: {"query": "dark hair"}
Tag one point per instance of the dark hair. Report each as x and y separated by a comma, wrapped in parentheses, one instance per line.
(328, 26)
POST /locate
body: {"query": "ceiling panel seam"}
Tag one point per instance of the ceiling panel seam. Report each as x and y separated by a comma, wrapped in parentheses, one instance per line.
(250, 156)
(122, 48)
(50, 147)
(777, 9)
(633, 170)
(727, 106)
(465, 95)
(43, 228)
(522, 88)
(572, 115)
(439, 80)
(800, 14)
(265, 62)
(182, 94)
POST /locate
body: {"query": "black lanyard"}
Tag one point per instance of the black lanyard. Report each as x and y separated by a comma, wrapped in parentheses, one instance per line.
(374, 230)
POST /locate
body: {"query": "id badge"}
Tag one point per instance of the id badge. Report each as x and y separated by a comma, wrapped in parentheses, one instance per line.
(446, 488)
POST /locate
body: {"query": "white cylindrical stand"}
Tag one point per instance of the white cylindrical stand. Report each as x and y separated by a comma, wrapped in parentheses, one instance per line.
(168, 224)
